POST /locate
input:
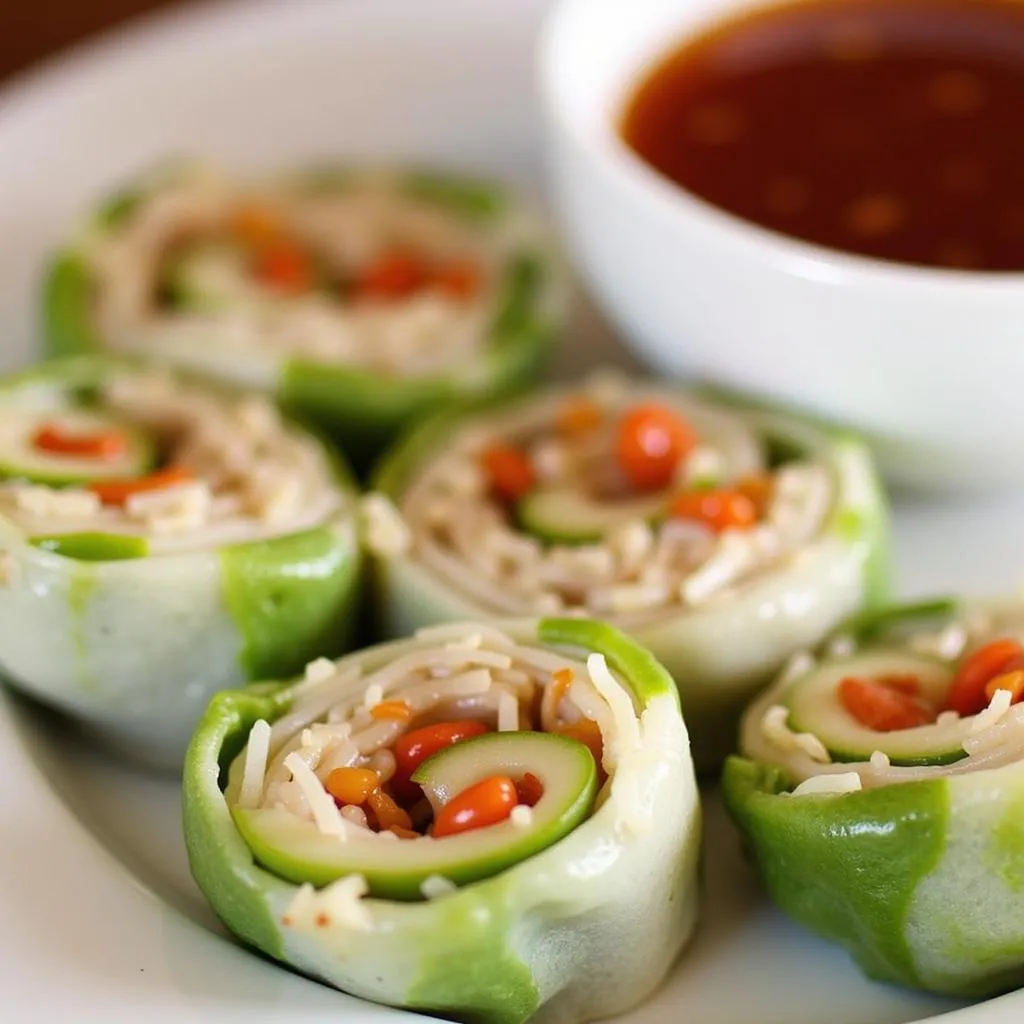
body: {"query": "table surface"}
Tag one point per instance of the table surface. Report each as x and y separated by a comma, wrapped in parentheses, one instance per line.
(33, 29)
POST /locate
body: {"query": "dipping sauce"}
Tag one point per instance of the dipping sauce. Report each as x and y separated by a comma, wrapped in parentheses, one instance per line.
(887, 128)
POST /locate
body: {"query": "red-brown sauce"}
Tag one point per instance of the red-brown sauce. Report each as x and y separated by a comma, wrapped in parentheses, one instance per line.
(887, 128)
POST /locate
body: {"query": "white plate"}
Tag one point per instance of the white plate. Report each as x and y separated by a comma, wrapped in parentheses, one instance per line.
(100, 920)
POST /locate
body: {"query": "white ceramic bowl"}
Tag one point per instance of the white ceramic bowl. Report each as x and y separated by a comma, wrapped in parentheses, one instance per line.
(929, 364)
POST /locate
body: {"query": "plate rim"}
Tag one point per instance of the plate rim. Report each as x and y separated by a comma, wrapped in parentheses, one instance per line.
(112, 51)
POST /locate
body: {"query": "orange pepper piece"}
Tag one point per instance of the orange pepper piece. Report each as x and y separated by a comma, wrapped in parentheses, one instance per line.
(394, 275)
(1012, 681)
(651, 441)
(102, 444)
(412, 749)
(509, 472)
(966, 695)
(717, 510)
(284, 266)
(881, 708)
(117, 492)
(488, 802)
(461, 279)
(587, 732)
(903, 683)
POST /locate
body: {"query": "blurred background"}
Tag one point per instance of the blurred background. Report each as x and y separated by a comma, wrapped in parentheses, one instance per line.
(35, 29)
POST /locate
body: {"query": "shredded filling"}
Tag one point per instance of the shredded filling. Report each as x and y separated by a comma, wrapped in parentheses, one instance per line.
(364, 273)
(343, 758)
(684, 506)
(225, 469)
(983, 703)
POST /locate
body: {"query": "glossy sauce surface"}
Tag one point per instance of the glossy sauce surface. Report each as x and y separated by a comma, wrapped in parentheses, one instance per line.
(887, 128)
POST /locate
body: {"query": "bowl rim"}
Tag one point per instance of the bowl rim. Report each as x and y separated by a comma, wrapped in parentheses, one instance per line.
(603, 143)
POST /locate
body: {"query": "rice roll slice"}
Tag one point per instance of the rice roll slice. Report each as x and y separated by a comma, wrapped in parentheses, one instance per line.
(722, 537)
(879, 790)
(161, 540)
(362, 298)
(475, 801)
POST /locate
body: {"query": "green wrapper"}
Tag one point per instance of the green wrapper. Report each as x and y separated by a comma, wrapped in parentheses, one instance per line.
(201, 312)
(573, 927)
(721, 649)
(129, 628)
(905, 846)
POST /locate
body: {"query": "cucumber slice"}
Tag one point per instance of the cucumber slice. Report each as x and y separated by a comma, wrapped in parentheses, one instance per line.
(564, 515)
(95, 547)
(466, 197)
(293, 849)
(208, 278)
(814, 707)
(21, 460)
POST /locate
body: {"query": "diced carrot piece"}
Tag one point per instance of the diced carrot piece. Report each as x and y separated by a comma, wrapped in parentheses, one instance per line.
(587, 732)
(758, 487)
(404, 833)
(412, 749)
(1012, 681)
(561, 680)
(101, 444)
(651, 441)
(529, 789)
(256, 224)
(285, 267)
(461, 279)
(391, 709)
(966, 695)
(387, 812)
(394, 275)
(509, 472)
(578, 416)
(352, 785)
(717, 510)
(117, 492)
(881, 708)
(563, 677)
(488, 802)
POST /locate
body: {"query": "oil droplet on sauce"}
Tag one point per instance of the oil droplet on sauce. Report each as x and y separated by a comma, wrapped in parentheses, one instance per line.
(957, 93)
(874, 216)
(786, 195)
(715, 124)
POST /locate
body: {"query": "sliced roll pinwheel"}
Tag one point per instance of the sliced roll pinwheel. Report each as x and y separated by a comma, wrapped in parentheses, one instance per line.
(722, 537)
(361, 298)
(161, 540)
(487, 824)
(880, 792)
